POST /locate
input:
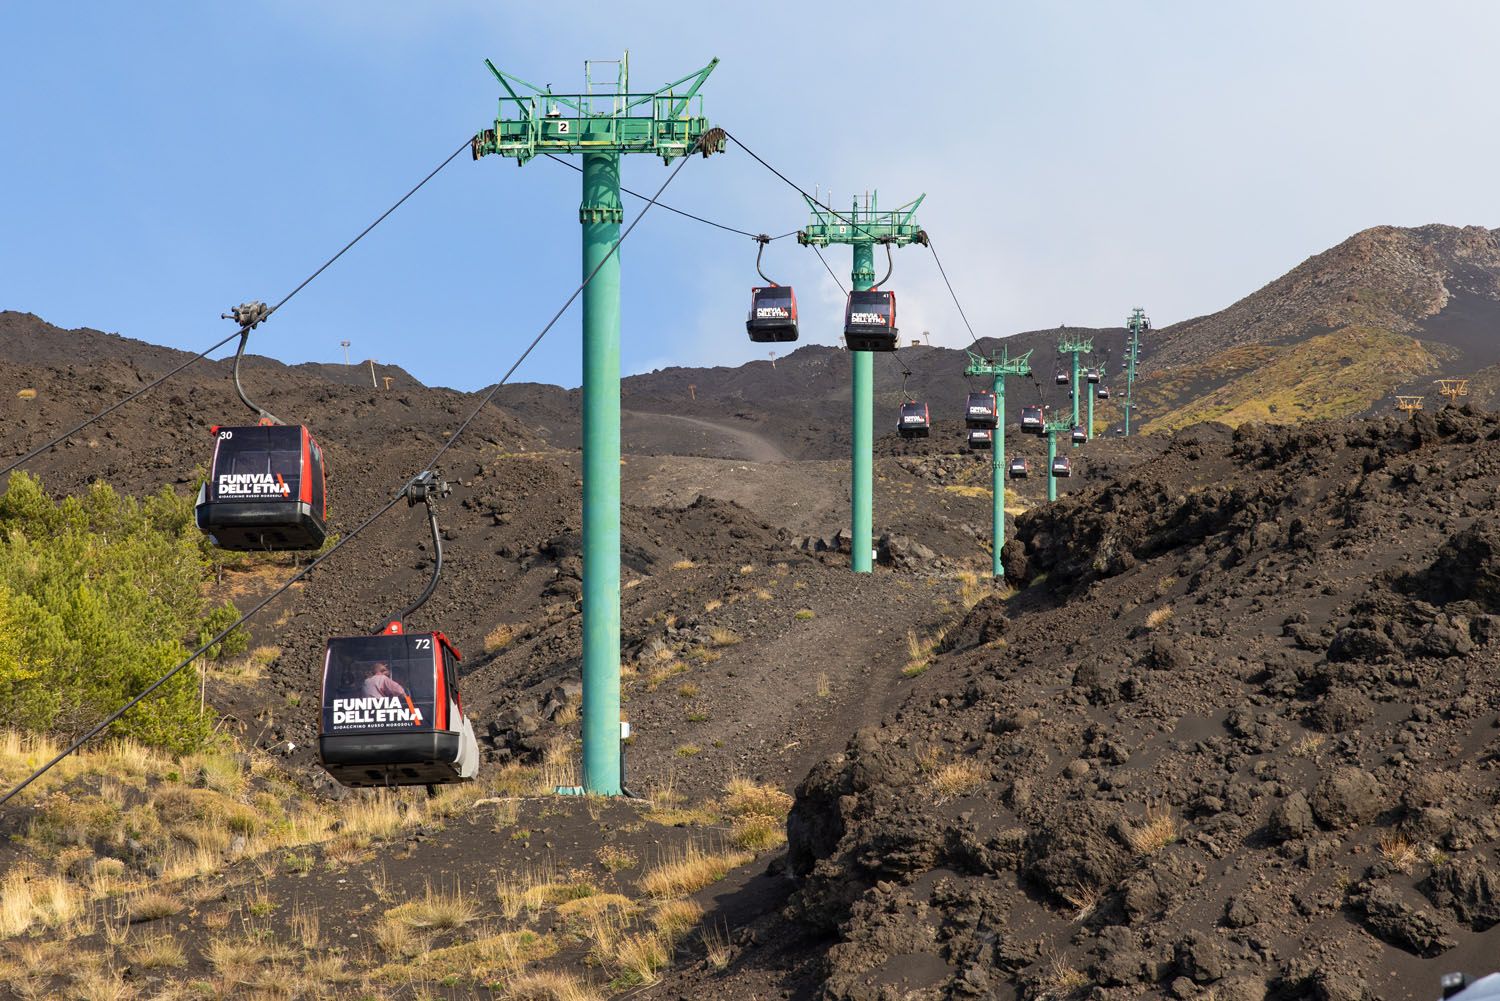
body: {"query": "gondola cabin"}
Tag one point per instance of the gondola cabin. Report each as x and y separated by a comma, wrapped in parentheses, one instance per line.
(1020, 468)
(1062, 466)
(392, 714)
(1080, 435)
(1093, 375)
(1031, 420)
(981, 411)
(773, 314)
(870, 321)
(265, 489)
(1103, 393)
(1061, 377)
(981, 439)
(914, 420)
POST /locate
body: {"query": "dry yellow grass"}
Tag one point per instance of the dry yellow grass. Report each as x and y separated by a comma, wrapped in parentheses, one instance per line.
(804, 614)
(720, 636)
(743, 797)
(549, 986)
(436, 909)
(959, 778)
(1399, 851)
(757, 833)
(153, 906)
(690, 869)
(716, 948)
(30, 899)
(26, 394)
(1159, 617)
(499, 638)
(684, 565)
(156, 951)
(637, 959)
(615, 858)
(1158, 830)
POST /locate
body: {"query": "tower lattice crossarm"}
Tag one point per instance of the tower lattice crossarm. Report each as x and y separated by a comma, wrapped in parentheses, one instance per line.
(1075, 345)
(1000, 365)
(667, 122)
(1453, 388)
(865, 224)
(1409, 404)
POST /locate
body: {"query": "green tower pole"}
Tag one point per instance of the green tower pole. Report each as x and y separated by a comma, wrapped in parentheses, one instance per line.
(862, 423)
(1089, 431)
(1051, 430)
(997, 480)
(1138, 323)
(1075, 395)
(601, 124)
(1051, 454)
(862, 229)
(997, 368)
(601, 214)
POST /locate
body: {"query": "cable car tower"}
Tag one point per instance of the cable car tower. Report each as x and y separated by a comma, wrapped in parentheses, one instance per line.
(1071, 344)
(1453, 389)
(997, 367)
(1137, 324)
(862, 229)
(1408, 404)
(601, 124)
(1051, 429)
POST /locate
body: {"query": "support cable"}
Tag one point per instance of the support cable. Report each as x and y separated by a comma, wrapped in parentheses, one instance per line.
(238, 333)
(401, 494)
(696, 218)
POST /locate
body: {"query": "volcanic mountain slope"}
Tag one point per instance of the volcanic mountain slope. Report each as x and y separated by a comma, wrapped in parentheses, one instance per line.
(1235, 736)
(1386, 311)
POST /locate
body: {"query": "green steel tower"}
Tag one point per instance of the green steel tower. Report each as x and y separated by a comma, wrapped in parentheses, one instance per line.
(997, 368)
(1051, 429)
(1075, 346)
(1138, 324)
(862, 229)
(601, 124)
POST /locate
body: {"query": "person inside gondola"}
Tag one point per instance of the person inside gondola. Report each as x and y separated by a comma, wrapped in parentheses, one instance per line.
(380, 684)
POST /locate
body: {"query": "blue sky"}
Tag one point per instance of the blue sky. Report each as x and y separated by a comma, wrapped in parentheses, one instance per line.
(162, 161)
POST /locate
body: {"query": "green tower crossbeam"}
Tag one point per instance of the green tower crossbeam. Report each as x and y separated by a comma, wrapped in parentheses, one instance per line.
(862, 229)
(1051, 429)
(601, 124)
(997, 368)
(1075, 345)
(1137, 324)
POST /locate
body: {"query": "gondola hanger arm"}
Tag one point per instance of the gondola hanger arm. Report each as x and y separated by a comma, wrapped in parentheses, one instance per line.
(424, 488)
(249, 315)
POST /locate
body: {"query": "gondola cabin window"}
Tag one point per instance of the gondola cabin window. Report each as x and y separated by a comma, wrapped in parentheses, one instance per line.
(381, 683)
(258, 463)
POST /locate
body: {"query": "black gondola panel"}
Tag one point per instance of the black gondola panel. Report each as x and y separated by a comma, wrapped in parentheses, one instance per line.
(981, 439)
(1062, 466)
(392, 714)
(265, 489)
(870, 321)
(773, 314)
(1032, 420)
(914, 421)
(1019, 469)
(981, 411)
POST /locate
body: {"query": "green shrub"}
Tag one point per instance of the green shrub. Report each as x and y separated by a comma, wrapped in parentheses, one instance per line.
(98, 595)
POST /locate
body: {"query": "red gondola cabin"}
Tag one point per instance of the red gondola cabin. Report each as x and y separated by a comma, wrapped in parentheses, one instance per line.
(773, 314)
(870, 321)
(265, 489)
(392, 714)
